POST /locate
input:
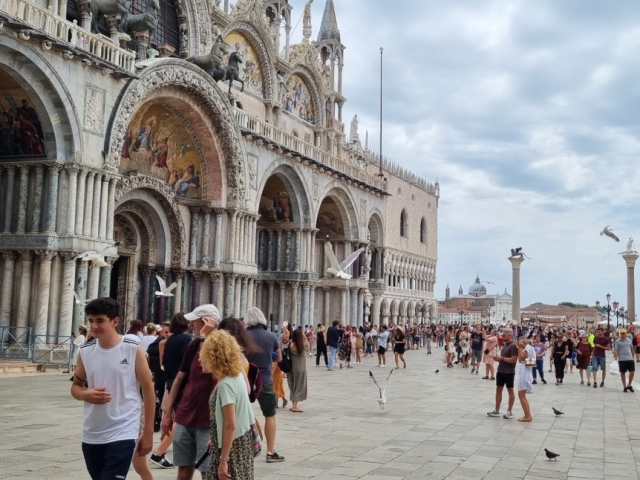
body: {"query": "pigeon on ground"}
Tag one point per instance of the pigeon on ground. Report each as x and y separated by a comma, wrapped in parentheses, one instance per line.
(557, 412)
(383, 398)
(551, 455)
(96, 258)
(164, 291)
(438, 371)
(78, 300)
(609, 233)
(338, 269)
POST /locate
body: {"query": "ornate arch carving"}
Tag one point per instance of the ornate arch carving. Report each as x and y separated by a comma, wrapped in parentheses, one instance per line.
(261, 43)
(203, 90)
(165, 196)
(310, 79)
(148, 239)
(195, 27)
(130, 234)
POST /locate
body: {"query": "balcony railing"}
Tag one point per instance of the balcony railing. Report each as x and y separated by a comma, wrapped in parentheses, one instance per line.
(280, 137)
(410, 293)
(43, 20)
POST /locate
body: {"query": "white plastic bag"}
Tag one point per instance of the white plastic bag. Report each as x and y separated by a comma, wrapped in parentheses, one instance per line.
(614, 368)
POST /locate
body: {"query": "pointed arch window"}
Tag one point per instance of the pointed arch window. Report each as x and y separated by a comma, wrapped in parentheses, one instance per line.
(423, 231)
(404, 225)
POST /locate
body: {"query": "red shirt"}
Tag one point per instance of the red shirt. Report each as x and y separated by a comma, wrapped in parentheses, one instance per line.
(193, 407)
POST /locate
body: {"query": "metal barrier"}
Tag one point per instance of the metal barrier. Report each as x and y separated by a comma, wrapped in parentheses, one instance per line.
(52, 350)
(15, 343)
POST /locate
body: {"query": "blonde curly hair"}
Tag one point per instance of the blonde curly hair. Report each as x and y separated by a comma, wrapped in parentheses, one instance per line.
(221, 354)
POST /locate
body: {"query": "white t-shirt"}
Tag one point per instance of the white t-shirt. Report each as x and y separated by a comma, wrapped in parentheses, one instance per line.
(115, 370)
(147, 340)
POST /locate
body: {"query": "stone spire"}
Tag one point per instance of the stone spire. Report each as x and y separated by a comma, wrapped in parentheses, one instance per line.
(329, 27)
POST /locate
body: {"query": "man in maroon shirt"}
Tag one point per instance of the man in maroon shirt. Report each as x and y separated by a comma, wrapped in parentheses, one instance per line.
(189, 399)
(601, 344)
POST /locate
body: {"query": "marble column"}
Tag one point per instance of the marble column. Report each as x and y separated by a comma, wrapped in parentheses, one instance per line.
(55, 294)
(23, 198)
(515, 265)
(269, 250)
(229, 294)
(52, 198)
(312, 306)
(104, 286)
(145, 271)
(254, 238)
(6, 296)
(214, 286)
(218, 241)
(306, 288)
(296, 263)
(193, 249)
(326, 292)
(312, 266)
(258, 302)
(81, 201)
(294, 303)
(287, 251)
(344, 305)
(178, 274)
(630, 258)
(353, 315)
(206, 237)
(309, 246)
(251, 302)
(104, 205)
(44, 286)
(237, 299)
(196, 288)
(88, 208)
(95, 214)
(360, 308)
(72, 173)
(111, 207)
(270, 299)
(244, 297)
(24, 289)
(67, 301)
(242, 226)
(9, 197)
(279, 250)
(281, 310)
(93, 282)
(236, 235)
(80, 286)
(232, 236)
(37, 200)
(260, 250)
(375, 309)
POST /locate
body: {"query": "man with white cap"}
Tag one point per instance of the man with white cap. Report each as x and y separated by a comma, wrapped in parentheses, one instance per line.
(269, 351)
(189, 399)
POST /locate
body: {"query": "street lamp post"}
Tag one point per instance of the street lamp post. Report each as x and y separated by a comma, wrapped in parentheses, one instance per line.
(461, 313)
(608, 313)
(615, 309)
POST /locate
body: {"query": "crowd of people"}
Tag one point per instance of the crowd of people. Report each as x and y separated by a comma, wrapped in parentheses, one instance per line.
(195, 377)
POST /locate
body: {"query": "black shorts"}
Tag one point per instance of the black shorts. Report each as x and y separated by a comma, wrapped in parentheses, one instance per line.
(627, 366)
(505, 379)
(268, 401)
(382, 350)
(399, 348)
(108, 460)
(638, 349)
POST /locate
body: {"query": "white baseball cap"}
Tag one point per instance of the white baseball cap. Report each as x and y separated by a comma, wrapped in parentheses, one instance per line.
(202, 311)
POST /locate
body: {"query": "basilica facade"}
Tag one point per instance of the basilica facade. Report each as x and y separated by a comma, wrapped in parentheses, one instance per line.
(121, 133)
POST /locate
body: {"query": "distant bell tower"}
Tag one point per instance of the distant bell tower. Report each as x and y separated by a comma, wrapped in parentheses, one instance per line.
(279, 12)
(329, 45)
(447, 293)
(460, 290)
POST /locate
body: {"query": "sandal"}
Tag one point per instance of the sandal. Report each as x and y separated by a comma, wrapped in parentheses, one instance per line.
(297, 410)
(493, 378)
(485, 378)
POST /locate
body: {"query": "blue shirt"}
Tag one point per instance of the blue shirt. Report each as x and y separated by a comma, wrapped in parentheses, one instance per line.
(382, 341)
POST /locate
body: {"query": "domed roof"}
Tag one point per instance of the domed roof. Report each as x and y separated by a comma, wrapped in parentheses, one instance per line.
(477, 288)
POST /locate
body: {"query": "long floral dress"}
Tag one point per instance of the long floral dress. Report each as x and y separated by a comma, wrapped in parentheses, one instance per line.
(345, 349)
(241, 455)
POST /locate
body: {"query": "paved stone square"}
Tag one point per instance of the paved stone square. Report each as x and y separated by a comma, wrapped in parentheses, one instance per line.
(435, 426)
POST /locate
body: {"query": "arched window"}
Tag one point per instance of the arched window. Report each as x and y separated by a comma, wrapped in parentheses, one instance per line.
(403, 224)
(423, 231)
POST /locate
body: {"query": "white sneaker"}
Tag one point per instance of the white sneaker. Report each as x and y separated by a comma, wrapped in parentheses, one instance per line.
(508, 415)
(493, 413)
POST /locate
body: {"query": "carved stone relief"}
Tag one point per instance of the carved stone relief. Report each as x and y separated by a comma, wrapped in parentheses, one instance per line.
(252, 160)
(94, 109)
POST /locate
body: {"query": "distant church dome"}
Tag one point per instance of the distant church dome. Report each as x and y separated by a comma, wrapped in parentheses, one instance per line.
(477, 289)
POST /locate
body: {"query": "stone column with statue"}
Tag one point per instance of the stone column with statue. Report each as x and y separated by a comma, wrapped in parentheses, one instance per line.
(516, 259)
(630, 256)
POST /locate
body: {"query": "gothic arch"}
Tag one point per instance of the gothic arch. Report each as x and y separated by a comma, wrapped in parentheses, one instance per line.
(265, 55)
(376, 228)
(384, 307)
(346, 205)
(316, 93)
(52, 100)
(137, 219)
(295, 184)
(189, 87)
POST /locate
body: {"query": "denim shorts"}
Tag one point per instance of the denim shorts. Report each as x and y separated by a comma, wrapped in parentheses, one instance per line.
(599, 362)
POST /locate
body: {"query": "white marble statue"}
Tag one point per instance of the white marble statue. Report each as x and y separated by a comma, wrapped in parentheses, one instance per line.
(630, 246)
(353, 136)
(306, 16)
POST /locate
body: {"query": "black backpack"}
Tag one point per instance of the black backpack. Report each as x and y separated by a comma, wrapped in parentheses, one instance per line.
(153, 352)
(285, 365)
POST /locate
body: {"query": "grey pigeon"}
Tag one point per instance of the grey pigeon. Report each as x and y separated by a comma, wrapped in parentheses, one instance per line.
(551, 455)
(609, 233)
(557, 412)
(438, 371)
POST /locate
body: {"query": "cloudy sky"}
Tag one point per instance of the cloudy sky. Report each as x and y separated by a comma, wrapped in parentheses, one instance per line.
(527, 114)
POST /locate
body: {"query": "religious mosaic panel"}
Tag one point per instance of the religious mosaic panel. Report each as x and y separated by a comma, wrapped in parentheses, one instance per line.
(158, 144)
(250, 71)
(20, 129)
(297, 99)
(275, 204)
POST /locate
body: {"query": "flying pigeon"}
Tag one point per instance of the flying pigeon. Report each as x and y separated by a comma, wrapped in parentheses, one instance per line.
(438, 371)
(96, 258)
(78, 300)
(609, 233)
(557, 412)
(383, 398)
(164, 291)
(551, 455)
(338, 269)
(488, 282)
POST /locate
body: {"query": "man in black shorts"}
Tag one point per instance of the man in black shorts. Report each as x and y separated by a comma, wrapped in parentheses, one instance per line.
(506, 373)
(623, 353)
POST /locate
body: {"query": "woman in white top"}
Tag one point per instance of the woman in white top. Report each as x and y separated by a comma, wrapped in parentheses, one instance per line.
(231, 444)
(527, 362)
(78, 341)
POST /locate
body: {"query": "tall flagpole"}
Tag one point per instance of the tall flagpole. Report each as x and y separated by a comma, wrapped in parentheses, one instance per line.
(380, 174)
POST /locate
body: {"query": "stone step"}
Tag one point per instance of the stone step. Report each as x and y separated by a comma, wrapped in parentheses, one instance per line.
(20, 366)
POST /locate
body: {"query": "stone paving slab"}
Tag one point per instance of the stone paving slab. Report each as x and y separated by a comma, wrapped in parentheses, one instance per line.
(435, 426)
